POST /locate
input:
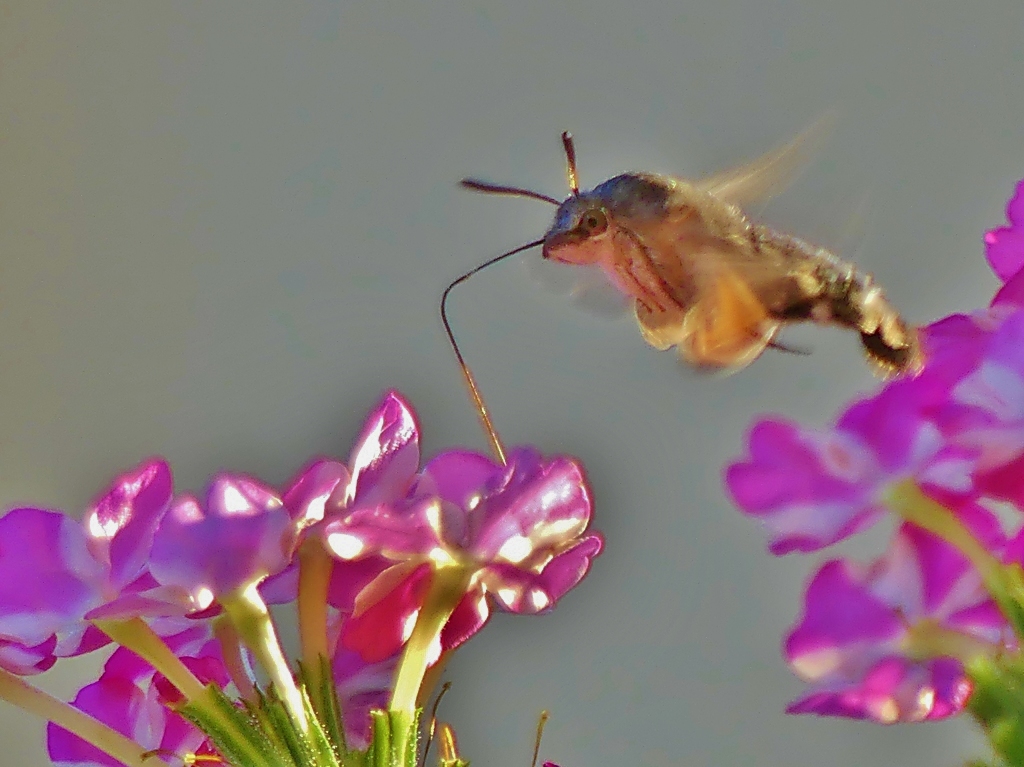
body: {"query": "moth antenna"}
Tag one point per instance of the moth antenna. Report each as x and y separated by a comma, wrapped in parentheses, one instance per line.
(540, 733)
(570, 163)
(512, 191)
(474, 391)
(433, 722)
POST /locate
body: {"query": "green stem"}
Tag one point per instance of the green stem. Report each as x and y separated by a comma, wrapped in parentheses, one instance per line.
(231, 650)
(315, 566)
(927, 639)
(447, 587)
(138, 637)
(1004, 583)
(911, 504)
(249, 614)
(16, 690)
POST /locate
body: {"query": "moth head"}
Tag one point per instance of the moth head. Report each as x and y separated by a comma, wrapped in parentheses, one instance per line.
(580, 226)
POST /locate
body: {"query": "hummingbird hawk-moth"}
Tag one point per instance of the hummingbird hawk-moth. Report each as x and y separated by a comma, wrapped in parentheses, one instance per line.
(702, 276)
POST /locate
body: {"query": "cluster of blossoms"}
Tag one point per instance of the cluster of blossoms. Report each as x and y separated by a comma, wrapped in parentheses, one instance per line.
(934, 625)
(389, 567)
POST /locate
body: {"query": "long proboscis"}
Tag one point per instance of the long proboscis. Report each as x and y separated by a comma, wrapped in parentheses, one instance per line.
(474, 391)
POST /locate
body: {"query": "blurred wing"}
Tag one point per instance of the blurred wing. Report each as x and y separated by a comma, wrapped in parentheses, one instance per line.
(717, 318)
(726, 326)
(586, 287)
(770, 173)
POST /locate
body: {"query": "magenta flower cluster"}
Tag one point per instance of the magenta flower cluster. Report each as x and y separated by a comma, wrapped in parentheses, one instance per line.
(889, 640)
(379, 529)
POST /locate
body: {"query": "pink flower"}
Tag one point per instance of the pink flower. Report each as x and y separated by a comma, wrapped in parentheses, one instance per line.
(811, 488)
(871, 641)
(182, 584)
(238, 536)
(361, 687)
(134, 700)
(1004, 246)
(888, 642)
(519, 533)
(381, 468)
(75, 567)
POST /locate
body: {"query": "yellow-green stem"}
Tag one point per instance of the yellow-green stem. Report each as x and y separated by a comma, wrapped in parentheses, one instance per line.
(16, 690)
(234, 661)
(447, 587)
(315, 566)
(927, 639)
(138, 637)
(249, 614)
(911, 504)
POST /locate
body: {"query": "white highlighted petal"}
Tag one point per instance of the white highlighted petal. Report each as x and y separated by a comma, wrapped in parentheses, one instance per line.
(515, 549)
(101, 531)
(539, 599)
(508, 595)
(441, 557)
(816, 665)
(345, 545)
(563, 526)
(925, 701)
(203, 597)
(409, 625)
(433, 514)
(234, 501)
(887, 712)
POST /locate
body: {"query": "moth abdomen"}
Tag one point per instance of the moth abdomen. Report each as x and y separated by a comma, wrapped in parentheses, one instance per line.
(823, 288)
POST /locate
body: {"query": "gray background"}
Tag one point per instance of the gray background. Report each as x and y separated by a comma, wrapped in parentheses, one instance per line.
(225, 227)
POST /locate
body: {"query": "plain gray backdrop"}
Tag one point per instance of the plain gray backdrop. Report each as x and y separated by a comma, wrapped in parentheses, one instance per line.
(225, 228)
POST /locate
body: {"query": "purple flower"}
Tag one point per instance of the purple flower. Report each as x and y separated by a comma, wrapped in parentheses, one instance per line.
(182, 584)
(361, 687)
(238, 536)
(985, 412)
(518, 533)
(812, 488)
(888, 642)
(76, 568)
(381, 469)
(1004, 247)
(134, 700)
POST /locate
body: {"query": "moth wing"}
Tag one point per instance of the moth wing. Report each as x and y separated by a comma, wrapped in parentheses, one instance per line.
(772, 172)
(717, 317)
(584, 286)
(727, 326)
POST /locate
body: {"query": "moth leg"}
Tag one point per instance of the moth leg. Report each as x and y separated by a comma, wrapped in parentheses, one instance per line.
(637, 269)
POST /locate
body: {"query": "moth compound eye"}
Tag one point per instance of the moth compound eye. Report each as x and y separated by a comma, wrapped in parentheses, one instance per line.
(594, 221)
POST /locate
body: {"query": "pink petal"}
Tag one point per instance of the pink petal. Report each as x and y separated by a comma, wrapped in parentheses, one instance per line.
(1004, 247)
(121, 523)
(387, 454)
(242, 535)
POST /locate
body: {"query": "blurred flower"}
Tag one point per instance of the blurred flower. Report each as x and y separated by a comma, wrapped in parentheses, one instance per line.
(811, 488)
(1004, 246)
(894, 641)
(888, 642)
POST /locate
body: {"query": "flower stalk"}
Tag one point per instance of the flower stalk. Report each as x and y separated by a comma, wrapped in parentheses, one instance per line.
(250, 616)
(25, 696)
(138, 637)
(315, 566)
(447, 587)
